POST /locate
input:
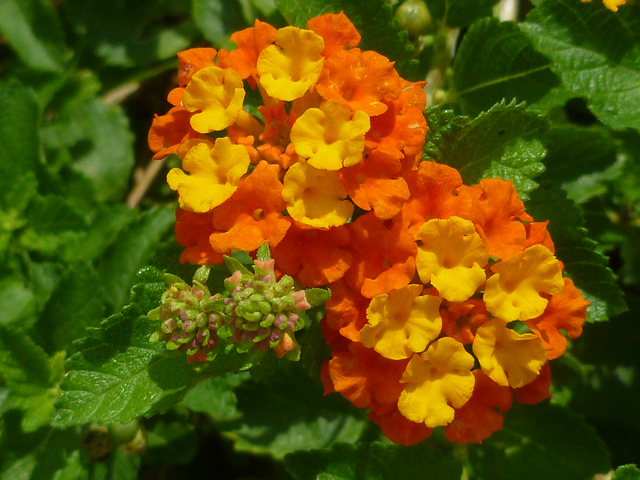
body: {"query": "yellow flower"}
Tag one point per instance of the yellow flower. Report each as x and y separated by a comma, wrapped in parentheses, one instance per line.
(214, 174)
(292, 66)
(315, 197)
(218, 94)
(402, 322)
(437, 381)
(513, 292)
(451, 257)
(611, 4)
(328, 137)
(507, 357)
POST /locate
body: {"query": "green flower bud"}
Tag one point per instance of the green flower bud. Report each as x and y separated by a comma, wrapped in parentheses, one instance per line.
(414, 17)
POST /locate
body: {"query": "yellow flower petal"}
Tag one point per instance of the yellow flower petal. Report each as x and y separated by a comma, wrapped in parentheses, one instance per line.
(328, 137)
(292, 66)
(218, 94)
(436, 381)
(214, 174)
(451, 257)
(513, 292)
(507, 357)
(402, 323)
(315, 197)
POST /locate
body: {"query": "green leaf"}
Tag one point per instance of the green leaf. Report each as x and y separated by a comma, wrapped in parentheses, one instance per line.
(583, 264)
(30, 376)
(12, 206)
(19, 139)
(133, 248)
(373, 19)
(313, 344)
(317, 296)
(217, 20)
(52, 222)
(373, 462)
(118, 374)
(574, 151)
(73, 306)
(460, 13)
(105, 154)
(578, 40)
(127, 34)
(108, 222)
(171, 439)
(33, 30)
(263, 254)
(215, 397)
(17, 300)
(541, 441)
(288, 413)
(497, 62)
(626, 472)
(498, 143)
(47, 454)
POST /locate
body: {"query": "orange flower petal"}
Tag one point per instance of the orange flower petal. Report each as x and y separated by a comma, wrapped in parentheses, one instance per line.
(313, 257)
(397, 428)
(252, 216)
(192, 60)
(477, 419)
(460, 320)
(435, 193)
(251, 42)
(565, 311)
(374, 185)
(360, 80)
(383, 255)
(346, 311)
(336, 30)
(537, 390)
(192, 232)
(169, 131)
(364, 377)
(500, 226)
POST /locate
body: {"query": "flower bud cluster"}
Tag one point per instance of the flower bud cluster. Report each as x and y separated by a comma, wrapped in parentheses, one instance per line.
(190, 318)
(261, 312)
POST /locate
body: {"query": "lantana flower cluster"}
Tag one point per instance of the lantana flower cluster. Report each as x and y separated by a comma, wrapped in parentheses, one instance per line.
(447, 300)
(256, 311)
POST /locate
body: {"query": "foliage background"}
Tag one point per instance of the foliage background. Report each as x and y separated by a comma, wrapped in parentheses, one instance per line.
(80, 83)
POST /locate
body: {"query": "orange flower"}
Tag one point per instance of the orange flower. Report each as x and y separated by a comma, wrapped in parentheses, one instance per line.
(364, 378)
(169, 131)
(192, 232)
(336, 30)
(374, 185)
(477, 419)
(253, 214)
(251, 42)
(399, 131)
(460, 320)
(500, 226)
(435, 194)
(397, 428)
(360, 80)
(537, 234)
(383, 255)
(192, 60)
(276, 147)
(346, 311)
(537, 390)
(313, 257)
(565, 311)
